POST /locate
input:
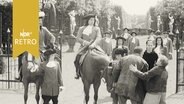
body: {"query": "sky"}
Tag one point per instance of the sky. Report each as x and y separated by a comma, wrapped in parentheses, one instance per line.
(136, 7)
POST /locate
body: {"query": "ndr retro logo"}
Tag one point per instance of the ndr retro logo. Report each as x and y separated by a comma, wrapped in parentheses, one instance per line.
(25, 39)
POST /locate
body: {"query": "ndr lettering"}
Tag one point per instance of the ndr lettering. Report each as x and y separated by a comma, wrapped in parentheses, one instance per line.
(25, 41)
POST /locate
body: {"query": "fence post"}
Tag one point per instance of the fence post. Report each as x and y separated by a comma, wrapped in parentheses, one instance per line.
(177, 56)
(8, 53)
(60, 43)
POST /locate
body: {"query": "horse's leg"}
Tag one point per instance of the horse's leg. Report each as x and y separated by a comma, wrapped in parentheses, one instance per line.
(37, 96)
(96, 86)
(26, 85)
(86, 90)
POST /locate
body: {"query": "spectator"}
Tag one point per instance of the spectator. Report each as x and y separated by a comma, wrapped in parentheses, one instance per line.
(120, 44)
(152, 36)
(160, 49)
(167, 42)
(133, 42)
(157, 81)
(126, 35)
(106, 43)
(149, 55)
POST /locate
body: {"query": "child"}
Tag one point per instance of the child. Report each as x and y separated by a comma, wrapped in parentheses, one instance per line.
(152, 36)
(133, 42)
(52, 83)
(126, 35)
(120, 44)
(156, 81)
(118, 53)
(106, 43)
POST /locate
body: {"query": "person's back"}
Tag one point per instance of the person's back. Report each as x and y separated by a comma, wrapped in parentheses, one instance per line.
(126, 78)
(128, 86)
(52, 77)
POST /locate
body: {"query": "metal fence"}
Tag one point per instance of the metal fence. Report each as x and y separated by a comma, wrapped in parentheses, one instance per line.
(8, 72)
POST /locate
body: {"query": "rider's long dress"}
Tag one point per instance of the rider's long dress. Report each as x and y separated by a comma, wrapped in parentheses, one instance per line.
(86, 34)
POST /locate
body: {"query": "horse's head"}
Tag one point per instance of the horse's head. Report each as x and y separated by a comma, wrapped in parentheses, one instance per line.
(107, 75)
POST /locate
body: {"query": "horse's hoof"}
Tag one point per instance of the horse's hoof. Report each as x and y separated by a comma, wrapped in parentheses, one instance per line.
(18, 79)
(77, 77)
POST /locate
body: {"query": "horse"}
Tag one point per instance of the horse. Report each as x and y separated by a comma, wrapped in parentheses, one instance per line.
(31, 73)
(91, 72)
(108, 76)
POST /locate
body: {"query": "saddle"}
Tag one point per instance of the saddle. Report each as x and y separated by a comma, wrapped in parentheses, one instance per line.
(95, 52)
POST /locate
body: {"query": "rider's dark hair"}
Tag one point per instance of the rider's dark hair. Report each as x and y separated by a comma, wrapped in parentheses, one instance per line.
(86, 21)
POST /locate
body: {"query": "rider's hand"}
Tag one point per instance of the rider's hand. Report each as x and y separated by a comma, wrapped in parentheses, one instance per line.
(91, 46)
(85, 43)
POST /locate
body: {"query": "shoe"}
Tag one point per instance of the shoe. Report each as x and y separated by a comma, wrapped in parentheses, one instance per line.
(77, 76)
(18, 79)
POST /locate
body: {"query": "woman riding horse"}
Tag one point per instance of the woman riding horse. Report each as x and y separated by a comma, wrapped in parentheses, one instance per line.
(92, 58)
(88, 35)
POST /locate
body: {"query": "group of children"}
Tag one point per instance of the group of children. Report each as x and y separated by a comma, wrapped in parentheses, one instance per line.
(125, 42)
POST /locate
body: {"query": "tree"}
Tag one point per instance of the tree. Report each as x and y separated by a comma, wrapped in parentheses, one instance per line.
(6, 11)
(174, 7)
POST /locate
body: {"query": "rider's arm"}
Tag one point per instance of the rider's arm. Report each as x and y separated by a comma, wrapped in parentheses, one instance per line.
(79, 36)
(98, 36)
